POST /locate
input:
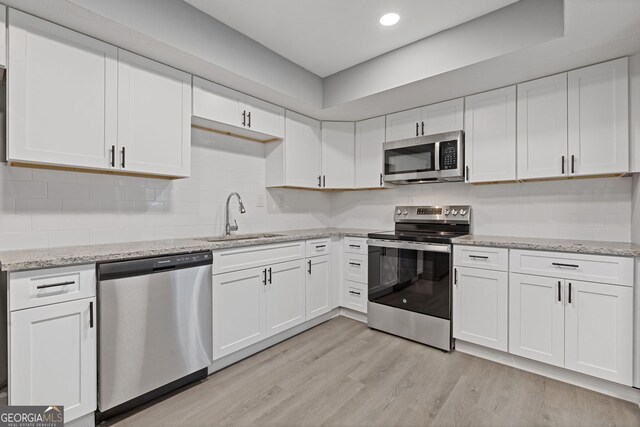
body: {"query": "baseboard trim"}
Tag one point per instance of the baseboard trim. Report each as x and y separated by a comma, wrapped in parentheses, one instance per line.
(352, 314)
(232, 358)
(576, 378)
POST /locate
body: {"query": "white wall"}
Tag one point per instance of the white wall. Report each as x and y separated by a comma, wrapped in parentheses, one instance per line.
(594, 209)
(41, 208)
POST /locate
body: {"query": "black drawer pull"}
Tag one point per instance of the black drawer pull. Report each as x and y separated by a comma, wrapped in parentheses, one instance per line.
(309, 271)
(91, 314)
(559, 264)
(53, 285)
(357, 264)
(354, 293)
(320, 246)
(478, 257)
(354, 246)
(559, 292)
(569, 292)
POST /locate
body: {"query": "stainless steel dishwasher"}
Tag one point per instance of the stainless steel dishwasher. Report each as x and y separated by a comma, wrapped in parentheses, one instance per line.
(154, 328)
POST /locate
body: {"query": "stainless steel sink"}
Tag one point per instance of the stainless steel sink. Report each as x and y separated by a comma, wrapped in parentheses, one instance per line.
(239, 237)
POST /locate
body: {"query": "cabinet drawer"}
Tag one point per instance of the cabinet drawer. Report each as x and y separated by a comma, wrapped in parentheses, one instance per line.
(52, 285)
(481, 257)
(355, 296)
(590, 268)
(355, 245)
(318, 247)
(245, 257)
(355, 267)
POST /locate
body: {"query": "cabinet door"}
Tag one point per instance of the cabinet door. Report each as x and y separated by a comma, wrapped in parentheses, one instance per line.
(403, 125)
(154, 116)
(302, 151)
(263, 117)
(217, 103)
(62, 95)
(285, 296)
(490, 135)
(536, 318)
(599, 118)
(443, 117)
(53, 357)
(338, 155)
(318, 286)
(599, 331)
(542, 128)
(238, 310)
(369, 153)
(480, 301)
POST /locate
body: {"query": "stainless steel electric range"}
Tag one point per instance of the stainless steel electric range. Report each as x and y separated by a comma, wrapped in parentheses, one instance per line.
(410, 273)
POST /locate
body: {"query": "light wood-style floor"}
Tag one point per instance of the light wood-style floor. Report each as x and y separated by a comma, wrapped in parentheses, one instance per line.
(343, 374)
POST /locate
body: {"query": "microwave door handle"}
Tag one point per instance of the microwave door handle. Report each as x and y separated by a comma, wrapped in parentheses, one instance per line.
(437, 156)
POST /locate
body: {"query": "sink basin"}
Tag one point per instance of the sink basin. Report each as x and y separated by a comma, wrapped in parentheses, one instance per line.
(239, 237)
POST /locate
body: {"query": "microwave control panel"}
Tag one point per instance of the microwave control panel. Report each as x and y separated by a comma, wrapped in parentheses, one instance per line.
(448, 155)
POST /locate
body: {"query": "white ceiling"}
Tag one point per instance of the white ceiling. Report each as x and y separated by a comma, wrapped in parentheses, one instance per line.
(327, 36)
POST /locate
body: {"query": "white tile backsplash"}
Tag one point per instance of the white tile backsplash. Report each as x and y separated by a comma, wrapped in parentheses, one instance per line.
(40, 208)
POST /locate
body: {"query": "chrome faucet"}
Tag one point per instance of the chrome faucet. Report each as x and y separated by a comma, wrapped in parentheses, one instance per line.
(229, 228)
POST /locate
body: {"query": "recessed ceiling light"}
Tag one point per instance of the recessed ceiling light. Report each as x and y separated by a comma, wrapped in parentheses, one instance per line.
(389, 19)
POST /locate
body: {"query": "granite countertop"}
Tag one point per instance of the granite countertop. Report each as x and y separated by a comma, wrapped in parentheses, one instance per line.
(55, 257)
(555, 245)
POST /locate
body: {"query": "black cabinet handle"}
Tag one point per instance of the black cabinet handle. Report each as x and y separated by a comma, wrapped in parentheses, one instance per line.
(355, 263)
(319, 180)
(381, 181)
(467, 174)
(559, 292)
(264, 277)
(423, 128)
(562, 165)
(324, 181)
(249, 119)
(122, 164)
(270, 278)
(417, 129)
(91, 314)
(113, 156)
(569, 292)
(478, 257)
(320, 246)
(354, 246)
(559, 264)
(573, 164)
(455, 276)
(309, 270)
(53, 285)
(244, 118)
(354, 293)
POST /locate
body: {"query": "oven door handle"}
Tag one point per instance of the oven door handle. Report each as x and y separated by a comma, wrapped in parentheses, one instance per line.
(418, 246)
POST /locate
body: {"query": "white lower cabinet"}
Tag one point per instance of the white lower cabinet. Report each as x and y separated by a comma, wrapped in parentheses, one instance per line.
(53, 357)
(355, 273)
(318, 286)
(480, 306)
(285, 296)
(599, 331)
(536, 318)
(583, 326)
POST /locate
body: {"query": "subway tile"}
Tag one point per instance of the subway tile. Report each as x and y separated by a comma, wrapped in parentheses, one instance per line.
(53, 222)
(38, 206)
(23, 190)
(46, 175)
(69, 238)
(66, 191)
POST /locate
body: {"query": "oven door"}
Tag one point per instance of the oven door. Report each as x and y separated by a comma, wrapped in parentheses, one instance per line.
(411, 159)
(411, 276)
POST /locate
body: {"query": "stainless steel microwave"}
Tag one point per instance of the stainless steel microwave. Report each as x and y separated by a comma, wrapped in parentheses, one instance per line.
(430, 158)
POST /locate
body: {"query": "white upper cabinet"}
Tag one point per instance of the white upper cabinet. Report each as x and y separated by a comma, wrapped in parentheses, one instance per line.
(599, 330)
(490, 135)
(154, 117)
(445, 116)
(3, 36)
(235, 112)
(403, 125)
(296, 161)
(62, 95)
(436, 118)
(369, 160)
(599, 119)
(542, 128)
(338, 155)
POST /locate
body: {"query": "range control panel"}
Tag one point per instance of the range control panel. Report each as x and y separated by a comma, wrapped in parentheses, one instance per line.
(457, 213)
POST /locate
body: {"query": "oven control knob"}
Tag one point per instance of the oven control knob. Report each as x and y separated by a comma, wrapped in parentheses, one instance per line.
(454, 212)
(446, 211)
(398, 212)
(405, 212)
(463, 212)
